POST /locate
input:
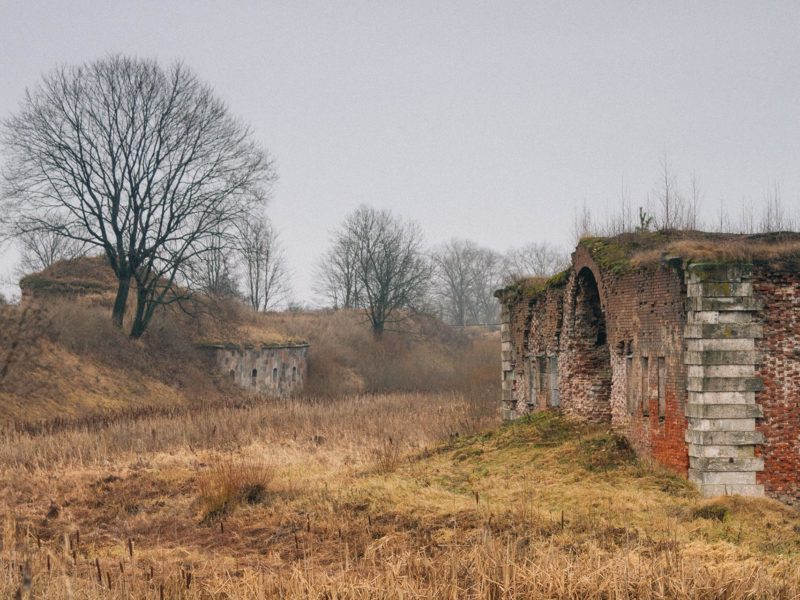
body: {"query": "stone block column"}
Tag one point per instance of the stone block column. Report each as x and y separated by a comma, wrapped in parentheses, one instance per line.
(509, 403)
(721, 329)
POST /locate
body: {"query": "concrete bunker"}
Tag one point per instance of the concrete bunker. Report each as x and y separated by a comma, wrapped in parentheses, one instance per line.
(267, 369)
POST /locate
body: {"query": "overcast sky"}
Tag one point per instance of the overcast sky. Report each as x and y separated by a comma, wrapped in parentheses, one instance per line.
(484, 120)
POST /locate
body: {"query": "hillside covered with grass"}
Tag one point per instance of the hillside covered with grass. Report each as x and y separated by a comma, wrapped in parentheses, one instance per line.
(62, 359)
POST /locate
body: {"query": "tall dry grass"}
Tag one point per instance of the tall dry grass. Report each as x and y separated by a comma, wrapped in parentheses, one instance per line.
(421, 354)
(395, 496)
(777, 248)
(490, 567)
(359, 425)
(76, 364)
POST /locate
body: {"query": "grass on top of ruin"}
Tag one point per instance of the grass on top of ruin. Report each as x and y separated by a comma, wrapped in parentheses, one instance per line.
(385, 496)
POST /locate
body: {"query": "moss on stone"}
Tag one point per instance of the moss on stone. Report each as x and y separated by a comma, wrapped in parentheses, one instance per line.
(532, 287)
(614, 254)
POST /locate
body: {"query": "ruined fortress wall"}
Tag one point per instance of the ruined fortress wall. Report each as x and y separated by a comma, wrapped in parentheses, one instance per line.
(531, 325)
(615, 342)
(272, 371)
(695, 362)
(779, 348)
(645, 318)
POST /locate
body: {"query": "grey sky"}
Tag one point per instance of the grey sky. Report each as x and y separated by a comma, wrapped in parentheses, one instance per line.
(485, 120)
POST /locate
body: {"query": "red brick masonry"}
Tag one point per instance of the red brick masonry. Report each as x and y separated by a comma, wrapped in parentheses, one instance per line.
(608, 344)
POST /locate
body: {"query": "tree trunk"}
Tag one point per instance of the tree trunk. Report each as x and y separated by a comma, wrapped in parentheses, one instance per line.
(121, 301)
(140, 317)
(377, 329)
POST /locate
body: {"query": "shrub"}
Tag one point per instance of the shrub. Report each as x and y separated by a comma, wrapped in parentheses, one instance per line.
(231, 483)
(712, 511)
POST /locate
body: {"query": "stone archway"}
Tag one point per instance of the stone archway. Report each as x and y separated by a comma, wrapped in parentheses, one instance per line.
(591, 371)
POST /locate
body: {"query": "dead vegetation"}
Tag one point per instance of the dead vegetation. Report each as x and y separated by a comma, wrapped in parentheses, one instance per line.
(303, 500)
(63, 360)
(393, 478)
(647, 248)
(421, 355)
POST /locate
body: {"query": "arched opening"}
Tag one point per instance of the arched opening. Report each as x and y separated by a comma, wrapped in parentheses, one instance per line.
(592, 370)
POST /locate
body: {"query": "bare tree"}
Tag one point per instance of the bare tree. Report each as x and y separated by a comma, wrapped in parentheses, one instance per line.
(487, 277)
(391, 268)
(141, 162)
(452, 279)
(338, 275)
(214, 270)
(266, 277)
(693, 203)
(774, 216)
(666, 195)
(583, 224)
(465, 277)
(533, 260)
(39, 249)
(674, 210)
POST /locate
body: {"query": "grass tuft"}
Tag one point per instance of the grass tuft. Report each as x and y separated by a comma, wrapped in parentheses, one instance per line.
(231, 483)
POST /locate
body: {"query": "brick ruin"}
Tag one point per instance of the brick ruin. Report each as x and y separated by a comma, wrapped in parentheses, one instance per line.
(272, 370)
(692, 355)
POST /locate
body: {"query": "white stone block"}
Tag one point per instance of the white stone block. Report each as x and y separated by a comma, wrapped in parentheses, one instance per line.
(722, 397)
(722, 477)
(718, 451)
(721, 371)
(722, 424)
(737, 489)
(703, 344)
(715, 317)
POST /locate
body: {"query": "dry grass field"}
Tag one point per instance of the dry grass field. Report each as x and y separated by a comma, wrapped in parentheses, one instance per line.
(374, 496)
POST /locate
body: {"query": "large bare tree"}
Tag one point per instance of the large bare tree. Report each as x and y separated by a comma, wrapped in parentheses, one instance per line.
(390, 268)
(141, 162)
(263, 262)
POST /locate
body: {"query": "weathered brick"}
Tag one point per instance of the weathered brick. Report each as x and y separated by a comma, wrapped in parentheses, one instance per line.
(721, 347)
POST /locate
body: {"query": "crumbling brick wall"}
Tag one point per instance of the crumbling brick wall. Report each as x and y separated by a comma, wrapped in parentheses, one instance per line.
(779, 291)
(604, 329)
(645, 319)
(695, 361)
(584, 358)
(537, 311)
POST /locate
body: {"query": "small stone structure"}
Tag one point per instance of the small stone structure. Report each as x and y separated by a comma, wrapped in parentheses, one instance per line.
(696, 361)
(272, 370)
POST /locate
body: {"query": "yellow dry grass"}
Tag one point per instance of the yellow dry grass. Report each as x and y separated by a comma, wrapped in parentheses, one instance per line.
(64, 384)
(773, 248)
(383, 496)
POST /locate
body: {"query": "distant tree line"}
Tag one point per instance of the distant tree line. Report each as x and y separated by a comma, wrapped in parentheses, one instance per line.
(378, 262)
